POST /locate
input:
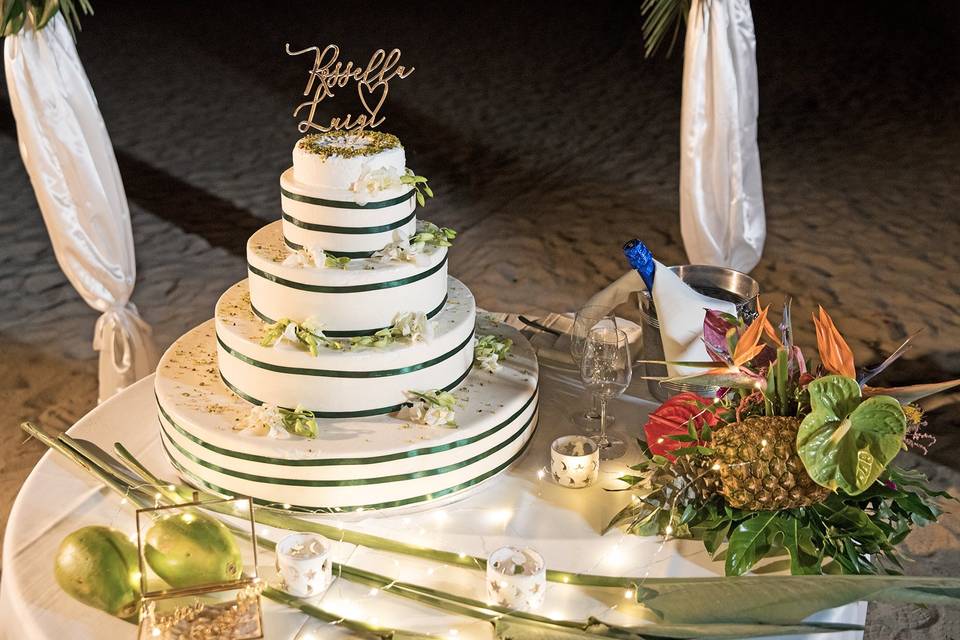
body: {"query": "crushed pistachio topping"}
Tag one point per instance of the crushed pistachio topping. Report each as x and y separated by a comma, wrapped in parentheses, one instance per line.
(348, 145)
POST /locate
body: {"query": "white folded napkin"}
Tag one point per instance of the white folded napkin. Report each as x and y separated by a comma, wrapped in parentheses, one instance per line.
(680, 311)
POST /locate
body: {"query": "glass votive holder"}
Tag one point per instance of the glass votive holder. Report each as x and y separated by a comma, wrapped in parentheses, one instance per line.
(304, 564)
(575, 461)
(516, 578)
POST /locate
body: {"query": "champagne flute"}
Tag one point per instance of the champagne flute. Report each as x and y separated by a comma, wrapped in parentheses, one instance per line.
(606, 371)
(588, 317)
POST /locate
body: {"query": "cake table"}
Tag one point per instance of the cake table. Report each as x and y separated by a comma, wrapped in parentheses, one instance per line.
(521, 506)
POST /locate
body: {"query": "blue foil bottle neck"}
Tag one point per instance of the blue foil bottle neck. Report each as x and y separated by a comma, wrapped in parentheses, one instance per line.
(641, 259)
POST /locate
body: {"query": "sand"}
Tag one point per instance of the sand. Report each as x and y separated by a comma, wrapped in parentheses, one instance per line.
(549, 141)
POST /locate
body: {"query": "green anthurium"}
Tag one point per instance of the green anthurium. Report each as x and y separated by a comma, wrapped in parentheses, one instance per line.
(845, 442)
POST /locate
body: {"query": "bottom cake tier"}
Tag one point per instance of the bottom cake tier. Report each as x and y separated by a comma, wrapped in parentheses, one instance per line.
(354, 464)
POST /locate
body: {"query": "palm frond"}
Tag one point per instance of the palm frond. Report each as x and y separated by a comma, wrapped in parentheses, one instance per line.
(662, 19)
(14, 14)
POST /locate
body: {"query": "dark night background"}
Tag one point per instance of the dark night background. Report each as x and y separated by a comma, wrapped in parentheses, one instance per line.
(549, 139)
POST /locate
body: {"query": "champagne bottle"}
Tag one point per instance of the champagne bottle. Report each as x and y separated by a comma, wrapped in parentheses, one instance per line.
(640, 258)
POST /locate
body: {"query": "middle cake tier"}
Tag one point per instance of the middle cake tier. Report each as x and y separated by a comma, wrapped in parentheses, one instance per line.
(359, 299)
(364, 381)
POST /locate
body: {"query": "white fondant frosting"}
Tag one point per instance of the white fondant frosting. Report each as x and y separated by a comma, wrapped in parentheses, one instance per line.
(367, 295)
(339, 170)
(375, 462)
(347, 381)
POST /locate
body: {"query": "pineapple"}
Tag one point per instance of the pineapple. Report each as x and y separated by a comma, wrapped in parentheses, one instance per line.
(759, 468)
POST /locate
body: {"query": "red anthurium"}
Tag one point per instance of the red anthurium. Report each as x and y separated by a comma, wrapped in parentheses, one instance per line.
(671, 419)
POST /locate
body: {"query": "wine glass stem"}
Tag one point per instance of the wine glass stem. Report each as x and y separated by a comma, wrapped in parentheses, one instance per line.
(594, 405)
(603, 421)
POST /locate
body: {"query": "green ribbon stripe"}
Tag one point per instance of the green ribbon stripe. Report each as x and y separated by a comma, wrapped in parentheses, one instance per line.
(353, 255)
(350, 334)
(366, 413)
(199, 482)
(326, 228)
(346, 204)
(356, 288)
(334, 373)
(356, 482)
(328, 462)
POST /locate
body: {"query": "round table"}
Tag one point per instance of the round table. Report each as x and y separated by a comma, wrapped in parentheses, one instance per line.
(522, 506)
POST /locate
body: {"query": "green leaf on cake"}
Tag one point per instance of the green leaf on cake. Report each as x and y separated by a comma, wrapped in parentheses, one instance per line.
(300, 422)
(336, 263)
(419, 184)
(846, 443)
(430, 234)
(274, 332)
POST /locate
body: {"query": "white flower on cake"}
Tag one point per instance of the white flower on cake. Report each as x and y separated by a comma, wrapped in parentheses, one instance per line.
(308, 334)
(306, 257)
(314, 257)
(264, 421)
(490, 350)
(271, 421)
(409, 326)
(427, 238)
(413, 326)
(401, 251)
(372, 181)
(430, 408)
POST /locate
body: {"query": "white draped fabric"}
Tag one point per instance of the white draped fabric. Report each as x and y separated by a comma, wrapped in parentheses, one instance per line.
(721, 196)
(68, 155)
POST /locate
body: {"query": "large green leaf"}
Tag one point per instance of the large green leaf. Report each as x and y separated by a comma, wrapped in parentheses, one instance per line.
(750, 542)
(797, 539)
(518, 629)
(845, 443)
(783, 599)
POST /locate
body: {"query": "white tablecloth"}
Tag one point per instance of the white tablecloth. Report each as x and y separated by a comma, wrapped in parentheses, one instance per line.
(517, 507)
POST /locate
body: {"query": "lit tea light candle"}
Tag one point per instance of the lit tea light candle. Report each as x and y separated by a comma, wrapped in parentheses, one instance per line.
(304, 565)
(516, 578)
(575, 461)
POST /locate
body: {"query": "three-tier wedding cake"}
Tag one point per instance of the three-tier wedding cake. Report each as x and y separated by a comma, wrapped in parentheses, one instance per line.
(348, 371)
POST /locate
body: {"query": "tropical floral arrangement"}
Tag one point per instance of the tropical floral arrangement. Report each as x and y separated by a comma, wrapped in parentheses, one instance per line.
(788, 459)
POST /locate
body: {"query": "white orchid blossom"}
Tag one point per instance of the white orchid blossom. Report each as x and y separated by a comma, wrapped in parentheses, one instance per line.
(372, 181)
(414, 326)
(430, 408)
(264, 421)
(312, 256)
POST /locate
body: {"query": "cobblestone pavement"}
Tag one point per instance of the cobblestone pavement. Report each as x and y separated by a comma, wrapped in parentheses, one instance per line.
(549, 141)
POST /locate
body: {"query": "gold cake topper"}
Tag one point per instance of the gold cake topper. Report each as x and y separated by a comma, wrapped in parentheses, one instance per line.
(328, 73)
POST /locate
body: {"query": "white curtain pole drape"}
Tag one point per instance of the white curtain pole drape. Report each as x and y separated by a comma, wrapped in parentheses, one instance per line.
(67, 152)
(721, 196)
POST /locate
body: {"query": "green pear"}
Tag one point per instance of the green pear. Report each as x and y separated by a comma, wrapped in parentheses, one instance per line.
(98, 566)
(189, 549)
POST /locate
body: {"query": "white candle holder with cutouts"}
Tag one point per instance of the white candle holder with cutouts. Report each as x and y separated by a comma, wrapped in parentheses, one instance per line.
(575, 461)
(304, 564)
(516, 578)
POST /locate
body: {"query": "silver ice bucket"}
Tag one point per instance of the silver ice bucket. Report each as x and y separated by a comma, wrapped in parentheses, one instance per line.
(717, 282)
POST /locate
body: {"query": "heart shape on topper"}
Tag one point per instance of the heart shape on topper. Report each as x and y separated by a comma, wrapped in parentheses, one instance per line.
(366, 91)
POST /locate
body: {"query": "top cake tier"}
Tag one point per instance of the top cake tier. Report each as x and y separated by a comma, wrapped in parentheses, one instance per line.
(346, 194)
(336, 160)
